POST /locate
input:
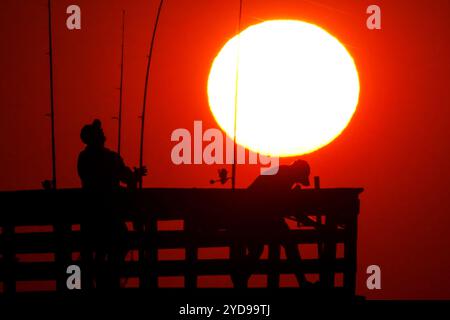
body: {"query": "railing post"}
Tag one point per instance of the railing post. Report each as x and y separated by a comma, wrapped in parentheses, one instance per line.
(273, 277)
(148, 254)
(328, 258)
(350, 251)
(86, 257)
(63, 255)
(238, 264)
(191, 254)
(9, 276)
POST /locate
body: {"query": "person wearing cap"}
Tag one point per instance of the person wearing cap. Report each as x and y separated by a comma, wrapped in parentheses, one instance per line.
(287, 177)
(102, 171)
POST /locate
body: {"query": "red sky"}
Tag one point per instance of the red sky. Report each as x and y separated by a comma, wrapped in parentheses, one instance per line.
(396, 146)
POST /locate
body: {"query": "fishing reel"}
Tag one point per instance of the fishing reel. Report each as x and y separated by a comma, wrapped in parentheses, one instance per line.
(223, 177)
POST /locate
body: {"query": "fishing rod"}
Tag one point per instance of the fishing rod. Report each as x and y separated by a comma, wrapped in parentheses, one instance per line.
(236, 91)
(52, 110)
(119, 119)
(141, 148)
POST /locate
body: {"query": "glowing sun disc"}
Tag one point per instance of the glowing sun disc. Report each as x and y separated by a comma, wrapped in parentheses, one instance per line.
(298, 87)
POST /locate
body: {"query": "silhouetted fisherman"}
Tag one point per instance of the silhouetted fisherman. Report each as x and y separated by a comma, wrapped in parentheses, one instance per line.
(269, 186)
(101, 172)
(101, 169)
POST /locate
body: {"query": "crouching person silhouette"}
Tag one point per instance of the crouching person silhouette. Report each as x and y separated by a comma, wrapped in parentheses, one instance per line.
(274, 225)
(104, 231)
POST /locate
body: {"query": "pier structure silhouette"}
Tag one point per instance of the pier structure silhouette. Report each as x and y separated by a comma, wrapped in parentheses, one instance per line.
(209, 218)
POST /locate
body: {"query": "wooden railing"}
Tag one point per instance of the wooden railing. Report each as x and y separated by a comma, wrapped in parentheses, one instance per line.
(210, 218)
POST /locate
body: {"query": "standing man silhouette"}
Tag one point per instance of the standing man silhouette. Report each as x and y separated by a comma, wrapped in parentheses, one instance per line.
(101, 172)
(101, 169)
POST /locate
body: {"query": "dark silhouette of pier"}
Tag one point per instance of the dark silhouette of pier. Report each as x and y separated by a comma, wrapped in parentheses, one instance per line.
(207, 216)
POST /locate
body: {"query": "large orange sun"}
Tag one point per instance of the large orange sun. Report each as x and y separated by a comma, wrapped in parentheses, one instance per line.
(298, 87)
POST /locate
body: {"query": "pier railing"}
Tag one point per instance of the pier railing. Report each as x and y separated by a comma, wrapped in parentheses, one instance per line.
(49, 223)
